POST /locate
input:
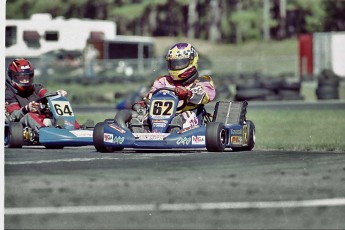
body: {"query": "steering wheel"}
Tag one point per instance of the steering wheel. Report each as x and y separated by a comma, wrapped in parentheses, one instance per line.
(45, 97)
(43, 101)
(172, 90)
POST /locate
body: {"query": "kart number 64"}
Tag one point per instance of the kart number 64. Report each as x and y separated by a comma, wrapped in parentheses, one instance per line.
(63, 108)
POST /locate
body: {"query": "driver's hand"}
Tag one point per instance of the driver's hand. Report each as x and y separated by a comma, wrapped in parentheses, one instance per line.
(182, 93)
(139, 105)
(62, 92)
(33, 107)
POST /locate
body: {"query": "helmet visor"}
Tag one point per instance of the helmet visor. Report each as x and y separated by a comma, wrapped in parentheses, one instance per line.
(23, 78)
(178, 64)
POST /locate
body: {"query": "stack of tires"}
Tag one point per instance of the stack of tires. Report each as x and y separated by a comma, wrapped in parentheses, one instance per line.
(267, 89)
(290, 90)
(327, 86)
(250, 88)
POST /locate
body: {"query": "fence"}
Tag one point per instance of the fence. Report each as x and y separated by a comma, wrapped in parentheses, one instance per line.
(50, 69)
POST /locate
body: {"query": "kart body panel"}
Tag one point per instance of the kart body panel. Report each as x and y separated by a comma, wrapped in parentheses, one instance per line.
(115, 136)
(65, 137)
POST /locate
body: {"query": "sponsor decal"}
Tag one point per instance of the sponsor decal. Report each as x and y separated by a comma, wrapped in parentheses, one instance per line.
(108, 137)
(198, 140)
(245, 134)
(68, 123)
(236, 131)
(188, 128)
(183, 140)
(118, 140)
(160, 121)
(82, 133)
(23, 67)
(158, 124)
(236, 140)
(150, 136)
(117, 128)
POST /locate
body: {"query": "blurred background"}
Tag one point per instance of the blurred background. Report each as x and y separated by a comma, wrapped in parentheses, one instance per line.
(110, 51)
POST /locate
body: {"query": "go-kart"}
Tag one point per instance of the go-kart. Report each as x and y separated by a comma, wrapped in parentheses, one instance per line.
(60, 133)
(226, 128)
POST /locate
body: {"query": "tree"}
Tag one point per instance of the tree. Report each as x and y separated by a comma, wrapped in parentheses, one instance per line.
(216, 20)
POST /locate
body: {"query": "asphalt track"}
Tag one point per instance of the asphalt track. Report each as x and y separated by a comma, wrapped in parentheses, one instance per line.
(78, 188)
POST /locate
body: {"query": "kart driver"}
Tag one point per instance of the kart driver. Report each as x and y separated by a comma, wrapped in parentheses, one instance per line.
(182, 62)
(21, 93)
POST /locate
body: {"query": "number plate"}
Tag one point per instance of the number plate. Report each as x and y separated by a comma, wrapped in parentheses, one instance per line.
(162, 108)
(63, 108)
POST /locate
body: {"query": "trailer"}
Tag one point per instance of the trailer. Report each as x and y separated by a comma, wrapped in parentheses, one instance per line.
(42, 33)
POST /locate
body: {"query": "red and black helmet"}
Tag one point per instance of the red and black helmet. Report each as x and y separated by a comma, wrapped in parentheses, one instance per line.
(21, 74)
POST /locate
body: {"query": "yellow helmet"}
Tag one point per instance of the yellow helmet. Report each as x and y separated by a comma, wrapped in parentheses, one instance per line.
(182, 60)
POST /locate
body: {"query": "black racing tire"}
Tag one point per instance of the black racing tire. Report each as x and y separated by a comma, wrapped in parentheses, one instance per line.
(287, 94)
(272, 83)
(292, 86)
(251, 138)
(244, 84)
(15, 135)
(98, 135)
(331, 82)
(327, 92)
(216, 137)
(7, 131)
(273, 97)
(251, 135)
(252, 94)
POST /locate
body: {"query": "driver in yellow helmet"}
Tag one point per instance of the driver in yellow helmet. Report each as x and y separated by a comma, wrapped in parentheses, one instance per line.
(183, 77)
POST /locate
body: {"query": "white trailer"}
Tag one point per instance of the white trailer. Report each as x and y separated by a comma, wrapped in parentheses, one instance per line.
(41, 34)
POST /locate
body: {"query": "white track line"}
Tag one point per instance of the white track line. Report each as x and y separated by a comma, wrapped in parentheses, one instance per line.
(174, 207)
(56, 161)
(128, 156)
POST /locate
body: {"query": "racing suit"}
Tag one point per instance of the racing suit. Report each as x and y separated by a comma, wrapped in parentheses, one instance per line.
(203, 92)
(15, 102)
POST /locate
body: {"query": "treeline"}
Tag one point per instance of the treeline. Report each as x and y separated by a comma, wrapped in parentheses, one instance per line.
(227, 21)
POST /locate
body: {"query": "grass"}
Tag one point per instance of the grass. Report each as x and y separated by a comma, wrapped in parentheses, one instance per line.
(300, 130)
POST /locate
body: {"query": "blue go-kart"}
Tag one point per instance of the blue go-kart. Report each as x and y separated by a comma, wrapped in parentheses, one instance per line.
(226, 128)
(59, 134)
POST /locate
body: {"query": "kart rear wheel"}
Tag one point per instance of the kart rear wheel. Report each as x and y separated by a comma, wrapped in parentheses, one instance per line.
(216, 137)
(15, 135)
(251, 138)
(98, 136)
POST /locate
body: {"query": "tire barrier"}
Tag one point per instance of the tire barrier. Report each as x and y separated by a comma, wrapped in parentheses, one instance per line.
(267, 89)
(327, 86)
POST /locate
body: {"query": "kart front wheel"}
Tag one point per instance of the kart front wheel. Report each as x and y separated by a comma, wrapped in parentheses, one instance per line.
(98, 139)
(15, 135)
(216, 137)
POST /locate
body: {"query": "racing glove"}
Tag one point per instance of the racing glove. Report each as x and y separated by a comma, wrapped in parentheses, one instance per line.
(62, 92)
(32, 107)
(182, 92)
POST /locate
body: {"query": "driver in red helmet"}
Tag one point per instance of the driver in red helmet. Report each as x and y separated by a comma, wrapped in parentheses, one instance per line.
(183, 77)
(21, 93)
